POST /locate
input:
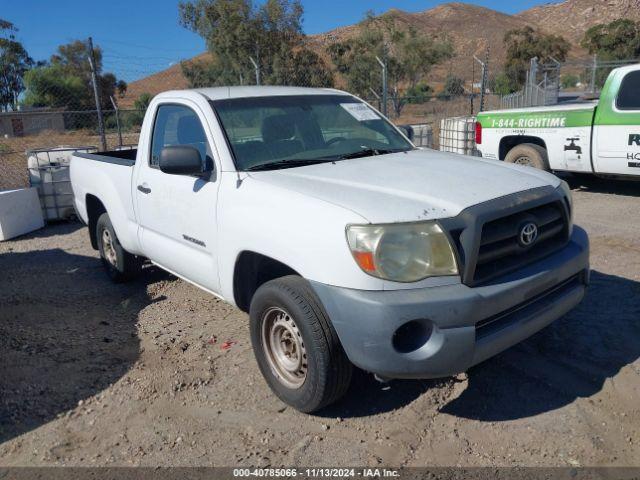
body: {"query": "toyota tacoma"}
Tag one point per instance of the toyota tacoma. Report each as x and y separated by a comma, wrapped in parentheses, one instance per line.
(346, 244)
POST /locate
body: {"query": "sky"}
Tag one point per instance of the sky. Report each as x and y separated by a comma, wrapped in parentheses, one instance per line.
(140, 37)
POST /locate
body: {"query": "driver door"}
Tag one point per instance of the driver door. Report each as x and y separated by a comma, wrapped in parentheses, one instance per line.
(177, 213)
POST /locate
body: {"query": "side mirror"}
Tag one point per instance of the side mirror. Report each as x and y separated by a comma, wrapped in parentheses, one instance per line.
(407, 130)
(181, 160)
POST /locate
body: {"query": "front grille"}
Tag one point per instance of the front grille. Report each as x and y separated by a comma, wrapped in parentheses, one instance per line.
(500, 250)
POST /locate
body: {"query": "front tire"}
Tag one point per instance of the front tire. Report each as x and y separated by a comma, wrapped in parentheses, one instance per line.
(119, 264)
(296, 347)
(529, 154)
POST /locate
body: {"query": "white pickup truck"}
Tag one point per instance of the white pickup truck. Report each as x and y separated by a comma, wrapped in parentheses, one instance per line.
(601, 138)
(345, 243)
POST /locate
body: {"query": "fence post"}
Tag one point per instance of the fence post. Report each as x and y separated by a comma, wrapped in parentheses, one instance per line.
(377, 98)
(384, 86)
(96, 93)
(473, 81)
(115, 108)
(593, 73)
(483, 79)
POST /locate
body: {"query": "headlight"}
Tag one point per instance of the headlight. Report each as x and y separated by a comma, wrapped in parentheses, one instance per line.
(405, 252)
(566, 190)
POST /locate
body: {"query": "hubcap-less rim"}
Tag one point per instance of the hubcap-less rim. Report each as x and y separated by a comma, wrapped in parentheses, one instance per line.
(284, 347)
(523, 161)
(108, 248)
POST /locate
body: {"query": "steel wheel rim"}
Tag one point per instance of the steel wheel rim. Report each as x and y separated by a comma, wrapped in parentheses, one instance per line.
(284, 347)
(108, 248)
(523, 161)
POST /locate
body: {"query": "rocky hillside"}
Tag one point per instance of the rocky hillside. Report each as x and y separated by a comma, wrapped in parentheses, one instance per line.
(470, 28)
(572, 18)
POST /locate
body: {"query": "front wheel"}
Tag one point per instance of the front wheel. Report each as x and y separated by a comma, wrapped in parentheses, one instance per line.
(530, 155)
(296, 347)
(119, 264)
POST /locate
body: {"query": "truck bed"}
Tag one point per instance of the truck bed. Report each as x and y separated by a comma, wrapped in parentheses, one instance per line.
(101, 177)
(125, 158)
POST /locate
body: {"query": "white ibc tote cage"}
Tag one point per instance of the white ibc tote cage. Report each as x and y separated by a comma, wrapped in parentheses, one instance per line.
(49, 173)
(457, 135)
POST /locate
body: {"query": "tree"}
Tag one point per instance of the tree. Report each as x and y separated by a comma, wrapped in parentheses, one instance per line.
(409, 57)
(618, 40)
(523, 44)
(453, 87)
(51, 86)
(66, 81)
(502, 84)
(237, 31)
(303, 67)
(121, 87)
(73, 57)
(140, 104)
(14, 62)
(420, 93)
(569, 80)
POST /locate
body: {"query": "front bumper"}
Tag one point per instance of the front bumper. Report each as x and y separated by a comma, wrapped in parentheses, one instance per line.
(469, 324)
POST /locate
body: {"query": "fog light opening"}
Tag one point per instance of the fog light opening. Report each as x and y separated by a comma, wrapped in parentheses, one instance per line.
(412, 335)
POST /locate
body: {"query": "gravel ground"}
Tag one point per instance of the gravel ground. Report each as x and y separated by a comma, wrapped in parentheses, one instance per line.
(93, 373)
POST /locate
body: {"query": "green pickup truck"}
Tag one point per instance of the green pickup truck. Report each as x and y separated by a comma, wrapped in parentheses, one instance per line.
(600, 137)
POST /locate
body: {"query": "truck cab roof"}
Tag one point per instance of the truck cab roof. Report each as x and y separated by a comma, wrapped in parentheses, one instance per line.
(223, 93)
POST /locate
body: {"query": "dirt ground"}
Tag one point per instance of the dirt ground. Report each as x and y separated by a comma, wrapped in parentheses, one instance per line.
(93, 373)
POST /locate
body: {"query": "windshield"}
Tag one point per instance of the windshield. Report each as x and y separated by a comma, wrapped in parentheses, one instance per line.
(273, 132)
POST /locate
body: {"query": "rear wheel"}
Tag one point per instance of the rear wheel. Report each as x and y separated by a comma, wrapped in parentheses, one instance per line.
(530, 155)
(295, 345)
(119, 264)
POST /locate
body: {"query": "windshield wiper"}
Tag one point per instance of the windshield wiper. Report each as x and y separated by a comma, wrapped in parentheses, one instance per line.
(368, 152)
(300, 162)
(296, 162)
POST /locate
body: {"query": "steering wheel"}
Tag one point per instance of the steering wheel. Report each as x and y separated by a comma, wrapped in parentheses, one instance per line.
(335, 140)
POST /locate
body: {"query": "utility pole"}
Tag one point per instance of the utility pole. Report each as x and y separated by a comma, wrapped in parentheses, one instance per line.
(96, 93)
(384, 85)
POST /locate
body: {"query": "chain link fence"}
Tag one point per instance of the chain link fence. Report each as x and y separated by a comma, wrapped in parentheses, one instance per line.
(67, 126)
(28, 130)
(557, 82)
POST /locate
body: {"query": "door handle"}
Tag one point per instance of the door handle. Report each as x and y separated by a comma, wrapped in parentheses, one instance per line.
(144, 189)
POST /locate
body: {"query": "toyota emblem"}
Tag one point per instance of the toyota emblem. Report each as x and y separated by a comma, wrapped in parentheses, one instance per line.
(528, 234)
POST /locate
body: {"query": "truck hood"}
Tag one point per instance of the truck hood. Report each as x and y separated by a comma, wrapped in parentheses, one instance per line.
(411, 186)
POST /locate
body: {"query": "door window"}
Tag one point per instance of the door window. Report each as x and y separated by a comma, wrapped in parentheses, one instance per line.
(629, 95)
(177, 125)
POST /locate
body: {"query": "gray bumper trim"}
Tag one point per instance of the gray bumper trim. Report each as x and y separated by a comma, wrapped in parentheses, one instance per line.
(366, 320)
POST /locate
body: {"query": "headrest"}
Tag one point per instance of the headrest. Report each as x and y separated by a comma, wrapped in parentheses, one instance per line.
(190, 130)
(277, 127)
